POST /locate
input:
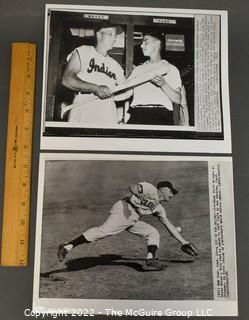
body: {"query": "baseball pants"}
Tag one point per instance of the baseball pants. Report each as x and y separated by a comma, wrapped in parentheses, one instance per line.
(123, 217)
(96, 112)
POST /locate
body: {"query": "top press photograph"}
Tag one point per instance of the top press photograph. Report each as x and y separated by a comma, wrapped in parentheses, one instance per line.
(134, 75)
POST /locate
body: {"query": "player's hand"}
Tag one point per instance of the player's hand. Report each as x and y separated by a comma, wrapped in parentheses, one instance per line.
(190, 249)
(158, 81)
(103, 92)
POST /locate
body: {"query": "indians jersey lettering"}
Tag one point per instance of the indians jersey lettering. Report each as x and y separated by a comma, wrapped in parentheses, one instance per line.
(98, 69)
(94, 67)
(149, 197)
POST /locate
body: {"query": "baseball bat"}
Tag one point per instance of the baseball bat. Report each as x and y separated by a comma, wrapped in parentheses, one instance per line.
(161, 69)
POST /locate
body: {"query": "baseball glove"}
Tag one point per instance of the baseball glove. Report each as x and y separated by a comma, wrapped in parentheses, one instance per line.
(189, 249)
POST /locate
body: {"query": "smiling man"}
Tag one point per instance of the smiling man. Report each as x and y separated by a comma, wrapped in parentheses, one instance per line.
(143, 199)
(90, 71)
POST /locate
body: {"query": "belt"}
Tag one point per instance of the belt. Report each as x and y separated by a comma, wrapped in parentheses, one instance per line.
(155, 106)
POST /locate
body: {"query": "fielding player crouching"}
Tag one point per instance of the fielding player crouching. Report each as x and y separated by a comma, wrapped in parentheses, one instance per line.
(143, 199)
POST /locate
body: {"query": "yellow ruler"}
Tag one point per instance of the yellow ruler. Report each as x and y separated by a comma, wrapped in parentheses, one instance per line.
(16, 209)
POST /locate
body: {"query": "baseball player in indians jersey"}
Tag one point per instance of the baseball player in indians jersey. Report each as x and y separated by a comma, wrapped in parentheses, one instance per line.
(91, 71)
(125, 214)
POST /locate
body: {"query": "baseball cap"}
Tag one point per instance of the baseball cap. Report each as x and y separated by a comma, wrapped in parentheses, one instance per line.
(107, 24)
(168, 184)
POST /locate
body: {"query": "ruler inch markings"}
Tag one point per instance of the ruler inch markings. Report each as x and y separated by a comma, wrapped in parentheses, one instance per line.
(16, 208)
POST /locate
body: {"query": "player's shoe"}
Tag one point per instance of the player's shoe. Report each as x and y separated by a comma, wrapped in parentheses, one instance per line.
(62, 252)
(154, 264)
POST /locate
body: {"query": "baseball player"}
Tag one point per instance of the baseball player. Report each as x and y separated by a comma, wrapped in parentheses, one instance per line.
(153, 101)
(143, 199)
(91, 71)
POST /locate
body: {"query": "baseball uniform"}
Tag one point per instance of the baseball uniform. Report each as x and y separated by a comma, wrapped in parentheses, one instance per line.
(125, 214)
(101, 70)
(143, 199)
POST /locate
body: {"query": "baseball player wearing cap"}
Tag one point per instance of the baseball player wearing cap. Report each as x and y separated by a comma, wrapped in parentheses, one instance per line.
(143, 199)
(91, 71)
(153, 101)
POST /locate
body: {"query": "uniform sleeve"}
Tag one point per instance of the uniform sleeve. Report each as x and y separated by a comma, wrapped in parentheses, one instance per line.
(120, 73)
(159, 211)
(173, 77)
(82, 51)
(149, 191)
(72, 52)
(70, 55)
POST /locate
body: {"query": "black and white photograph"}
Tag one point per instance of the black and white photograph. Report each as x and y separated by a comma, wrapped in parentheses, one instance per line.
(114, 230)
(131, 79)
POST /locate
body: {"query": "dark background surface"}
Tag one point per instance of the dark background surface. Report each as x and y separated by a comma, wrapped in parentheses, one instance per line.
(24, 21)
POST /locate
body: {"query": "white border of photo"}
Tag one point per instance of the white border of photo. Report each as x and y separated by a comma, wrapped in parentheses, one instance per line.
(223, 304)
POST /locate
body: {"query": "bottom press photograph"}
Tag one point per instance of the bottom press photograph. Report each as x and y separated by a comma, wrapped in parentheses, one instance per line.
(135, 232)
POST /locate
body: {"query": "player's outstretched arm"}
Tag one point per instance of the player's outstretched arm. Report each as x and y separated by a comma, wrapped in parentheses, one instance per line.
(172, 229)
(186, 246)
(71, 80)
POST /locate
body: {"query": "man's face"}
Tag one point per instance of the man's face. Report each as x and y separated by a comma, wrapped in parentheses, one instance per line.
(150, 45)
(107, 37)
(166, 194)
